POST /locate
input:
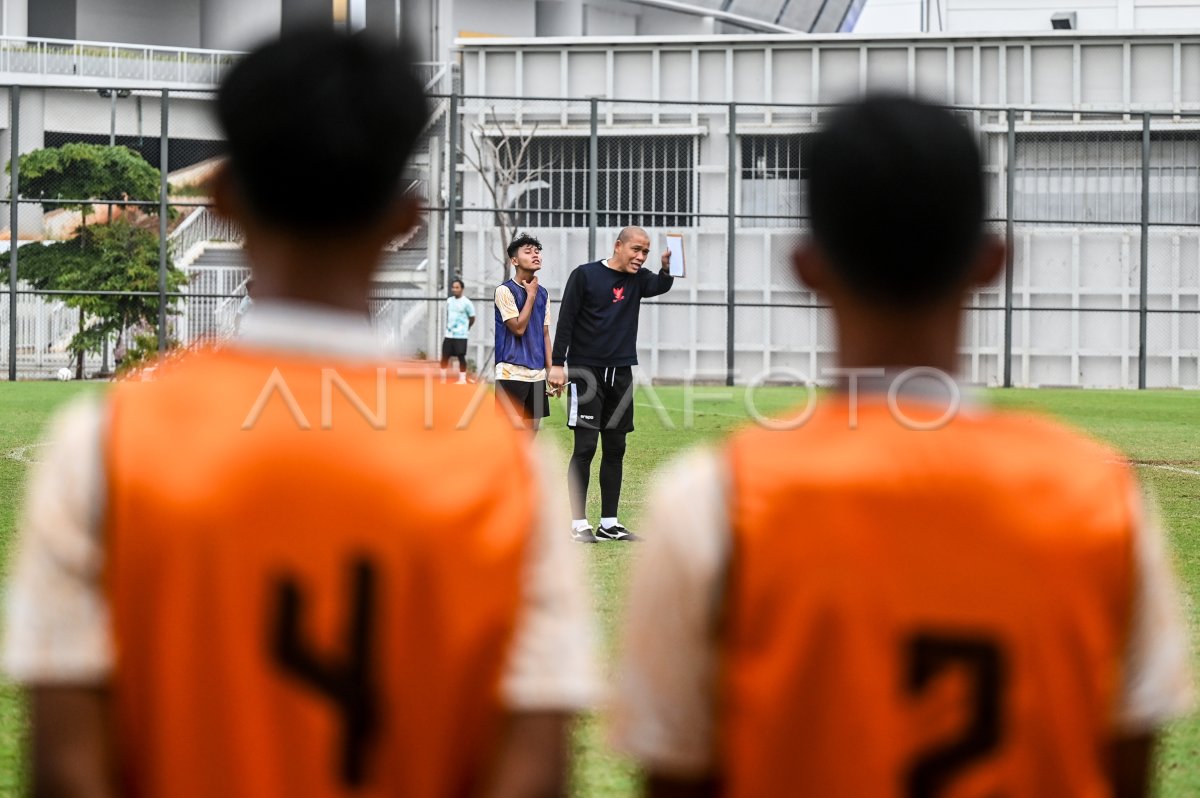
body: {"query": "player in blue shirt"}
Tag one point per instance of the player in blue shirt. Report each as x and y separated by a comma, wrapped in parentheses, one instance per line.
(460, 318)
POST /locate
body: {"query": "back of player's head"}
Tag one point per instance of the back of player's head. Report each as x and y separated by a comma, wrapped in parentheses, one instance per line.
(897, 199)
(521, 241)
(319, 125)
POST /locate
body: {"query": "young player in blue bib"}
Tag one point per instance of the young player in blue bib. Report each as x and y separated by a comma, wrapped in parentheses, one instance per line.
(523, 335)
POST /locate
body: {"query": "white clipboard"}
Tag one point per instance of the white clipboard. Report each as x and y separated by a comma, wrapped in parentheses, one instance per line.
(678, 265)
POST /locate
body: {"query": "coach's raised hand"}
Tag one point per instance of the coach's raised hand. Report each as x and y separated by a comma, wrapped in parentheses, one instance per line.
(666, 262)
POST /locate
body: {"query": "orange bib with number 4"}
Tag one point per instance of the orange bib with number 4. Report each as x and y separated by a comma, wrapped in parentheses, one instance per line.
(314, 579)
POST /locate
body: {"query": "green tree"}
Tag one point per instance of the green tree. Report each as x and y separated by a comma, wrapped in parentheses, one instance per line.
(83, 172)
(118, 256)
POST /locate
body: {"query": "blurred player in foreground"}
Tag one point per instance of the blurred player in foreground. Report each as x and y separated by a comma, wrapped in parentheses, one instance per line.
(857, 607)
(523, 335)
(252, 577)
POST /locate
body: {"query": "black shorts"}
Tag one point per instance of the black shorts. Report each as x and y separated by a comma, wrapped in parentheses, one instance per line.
(454, 347)
(528, 398)
(600, 398)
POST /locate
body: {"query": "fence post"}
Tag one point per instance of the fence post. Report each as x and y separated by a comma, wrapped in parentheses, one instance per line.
(731, 245)
(1009, 244)
(593, 176)
(452, 199)
(1144, 276)
(163, 168)
(14, 215)
(434, 243)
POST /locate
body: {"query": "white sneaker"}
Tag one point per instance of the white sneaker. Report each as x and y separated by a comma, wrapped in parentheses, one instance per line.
(583, 535)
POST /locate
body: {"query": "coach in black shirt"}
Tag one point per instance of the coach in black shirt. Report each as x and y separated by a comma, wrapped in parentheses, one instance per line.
(597, 337)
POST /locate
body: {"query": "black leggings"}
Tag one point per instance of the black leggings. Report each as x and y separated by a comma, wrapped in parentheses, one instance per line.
(610, 470)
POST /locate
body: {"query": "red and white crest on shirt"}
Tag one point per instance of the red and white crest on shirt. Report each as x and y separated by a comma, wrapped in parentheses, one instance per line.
(618, 294)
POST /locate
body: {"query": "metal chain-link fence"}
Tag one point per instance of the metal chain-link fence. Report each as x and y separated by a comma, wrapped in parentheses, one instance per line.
(1101, 213)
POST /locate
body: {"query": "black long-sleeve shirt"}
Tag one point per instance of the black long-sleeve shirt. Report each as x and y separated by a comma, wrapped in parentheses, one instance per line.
(598, 315)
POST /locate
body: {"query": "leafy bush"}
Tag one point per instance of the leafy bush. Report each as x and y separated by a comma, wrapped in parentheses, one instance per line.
(118, 256)
(79, 171)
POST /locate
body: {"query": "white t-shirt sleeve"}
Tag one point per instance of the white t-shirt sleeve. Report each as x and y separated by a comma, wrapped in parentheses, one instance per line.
(1158, 686)
(552, 662)
(470, 308)
(546, 323)
(507, 303)
(56, 614)
(662, 711)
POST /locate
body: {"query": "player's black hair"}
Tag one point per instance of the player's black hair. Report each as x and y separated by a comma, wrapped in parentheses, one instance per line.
(319, 125)
(523, 240)
(897, 199)
(460, 282)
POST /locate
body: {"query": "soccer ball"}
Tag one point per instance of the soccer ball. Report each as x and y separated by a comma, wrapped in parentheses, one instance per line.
(64, 374)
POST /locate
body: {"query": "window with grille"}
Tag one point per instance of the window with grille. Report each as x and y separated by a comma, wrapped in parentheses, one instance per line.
(774, 172)
(644, 180)
(1097, 177)
(647, 181)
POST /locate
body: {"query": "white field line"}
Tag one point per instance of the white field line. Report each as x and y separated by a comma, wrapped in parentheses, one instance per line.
(1191, 472)
(1173, 469)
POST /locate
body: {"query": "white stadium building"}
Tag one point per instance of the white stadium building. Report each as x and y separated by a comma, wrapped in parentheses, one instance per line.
(691, 118)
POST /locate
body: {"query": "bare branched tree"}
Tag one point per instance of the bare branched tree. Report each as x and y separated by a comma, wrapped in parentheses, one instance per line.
(500, 160)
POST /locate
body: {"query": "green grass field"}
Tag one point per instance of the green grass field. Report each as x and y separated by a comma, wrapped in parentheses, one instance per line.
(1159, 429)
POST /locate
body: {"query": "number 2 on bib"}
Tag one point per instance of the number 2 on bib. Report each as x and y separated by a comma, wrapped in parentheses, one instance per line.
(929, 655)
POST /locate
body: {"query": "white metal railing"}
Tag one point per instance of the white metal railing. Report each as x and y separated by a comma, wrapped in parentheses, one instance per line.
(202, 227)
(68, 61)
(396, 320)
(435, 74)
(224, 314)
(44, 328)
(187, 234)
(108, 61)
(415, 316)
(212, 315)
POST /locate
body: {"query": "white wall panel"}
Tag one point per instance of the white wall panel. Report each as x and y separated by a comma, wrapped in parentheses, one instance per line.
(749, 71)
(633, 73)
(839, 78)
(791, 75)
(887, 69)
(1060, 71)
(501, 79)
(541, 73)
(1052, 66)
(964, 83)
(1152, 76)
(931, 73)
(1189, 62)
(587, 74)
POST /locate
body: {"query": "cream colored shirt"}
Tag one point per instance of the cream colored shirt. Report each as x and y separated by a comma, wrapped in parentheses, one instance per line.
(57, 617)
(506, 303)
(663, 705)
